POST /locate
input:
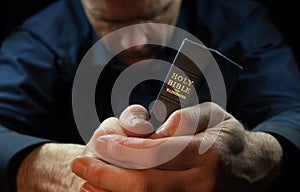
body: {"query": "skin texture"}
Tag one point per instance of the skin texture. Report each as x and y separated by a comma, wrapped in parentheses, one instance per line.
(232, 158)
(47, 168)
(236, 159)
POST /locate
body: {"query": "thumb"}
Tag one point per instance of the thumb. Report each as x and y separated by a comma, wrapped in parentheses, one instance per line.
(192, 120)
(135, 121)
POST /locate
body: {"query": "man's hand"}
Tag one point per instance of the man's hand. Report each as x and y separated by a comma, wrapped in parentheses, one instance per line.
(47, 168)
(218, 155)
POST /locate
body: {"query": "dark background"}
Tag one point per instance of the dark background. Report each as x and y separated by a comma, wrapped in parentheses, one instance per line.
(284, 13)
(13, 12)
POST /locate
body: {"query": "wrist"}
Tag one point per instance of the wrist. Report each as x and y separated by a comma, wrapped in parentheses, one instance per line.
(268, 154)
(47, 168)
(261, 159)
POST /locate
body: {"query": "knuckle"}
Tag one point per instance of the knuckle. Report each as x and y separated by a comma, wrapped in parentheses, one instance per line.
(96, 173)
(213, 107)
(209, 104)
(174, 118)
(107, 126)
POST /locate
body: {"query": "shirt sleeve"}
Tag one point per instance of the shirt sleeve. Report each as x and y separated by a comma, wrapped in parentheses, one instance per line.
(267, 95)
(14, 148)
(38, 62)
(28, 78)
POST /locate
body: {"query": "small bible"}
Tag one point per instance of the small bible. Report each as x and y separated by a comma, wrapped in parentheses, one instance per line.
(185, 84)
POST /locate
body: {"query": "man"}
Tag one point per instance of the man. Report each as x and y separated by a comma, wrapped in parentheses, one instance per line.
(39, 139)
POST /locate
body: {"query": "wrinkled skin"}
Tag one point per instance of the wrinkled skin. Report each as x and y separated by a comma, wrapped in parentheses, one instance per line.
(230, 158)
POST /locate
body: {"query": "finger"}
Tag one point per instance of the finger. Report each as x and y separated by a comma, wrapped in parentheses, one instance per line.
(199, 152)
(110, 125)
(105, 176)
(87, 187)
(135, 121)
(139, 153)
(192, 120)
(177, 153)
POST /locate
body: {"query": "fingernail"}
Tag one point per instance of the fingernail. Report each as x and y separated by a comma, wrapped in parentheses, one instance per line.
(78, 167)
(136, 120)
(87, 188)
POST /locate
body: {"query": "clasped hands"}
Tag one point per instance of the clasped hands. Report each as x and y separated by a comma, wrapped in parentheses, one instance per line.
(199, 148)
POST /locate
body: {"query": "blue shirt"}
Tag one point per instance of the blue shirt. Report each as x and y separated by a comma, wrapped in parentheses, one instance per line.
(39, 60)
